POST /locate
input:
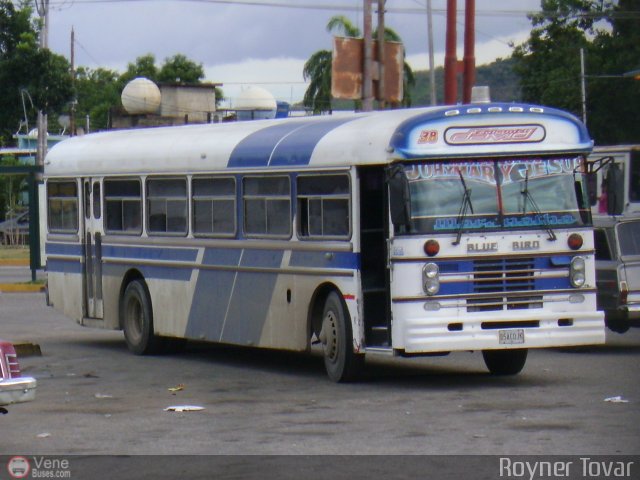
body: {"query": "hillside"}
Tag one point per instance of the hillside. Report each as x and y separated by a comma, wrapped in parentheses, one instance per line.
(499, 76)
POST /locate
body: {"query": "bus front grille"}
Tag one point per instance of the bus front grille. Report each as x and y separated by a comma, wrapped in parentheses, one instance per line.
(501, 277)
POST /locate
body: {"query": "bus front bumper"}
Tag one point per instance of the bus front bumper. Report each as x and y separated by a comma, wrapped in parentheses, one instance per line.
(488, 331)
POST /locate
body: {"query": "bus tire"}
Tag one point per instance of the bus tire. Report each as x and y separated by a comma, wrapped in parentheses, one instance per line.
(505, 362)
(341, 363)
(137, 320)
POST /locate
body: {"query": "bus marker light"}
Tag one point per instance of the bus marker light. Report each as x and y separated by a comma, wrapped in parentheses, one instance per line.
(575, 241)
(431, 248)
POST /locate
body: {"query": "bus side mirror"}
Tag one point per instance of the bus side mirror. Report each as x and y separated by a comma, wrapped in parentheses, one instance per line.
(614, 185)
(399, 196)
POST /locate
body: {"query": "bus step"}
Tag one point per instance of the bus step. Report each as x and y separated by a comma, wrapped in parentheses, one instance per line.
(368, 290)
(378, 328)
(379, 350)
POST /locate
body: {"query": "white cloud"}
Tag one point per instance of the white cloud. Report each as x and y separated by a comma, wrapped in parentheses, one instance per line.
(280, 76)
(485, 52)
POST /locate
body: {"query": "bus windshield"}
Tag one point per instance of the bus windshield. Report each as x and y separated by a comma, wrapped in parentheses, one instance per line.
(479, 195)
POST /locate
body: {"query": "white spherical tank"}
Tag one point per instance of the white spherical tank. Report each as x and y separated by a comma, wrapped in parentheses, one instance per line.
(254, 103)
(141, 96)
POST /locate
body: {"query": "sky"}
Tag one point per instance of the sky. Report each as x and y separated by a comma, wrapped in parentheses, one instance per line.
(263, 42)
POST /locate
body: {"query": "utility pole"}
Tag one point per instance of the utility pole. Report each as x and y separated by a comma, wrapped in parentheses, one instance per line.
(432, 72)
(72, 110)
(469, 49)
(42, 7)
(450, 57)
(381, 85)
(367, 77)
(584, 87)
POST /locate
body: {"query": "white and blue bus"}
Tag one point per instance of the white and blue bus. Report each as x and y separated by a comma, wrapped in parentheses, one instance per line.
(406, 232)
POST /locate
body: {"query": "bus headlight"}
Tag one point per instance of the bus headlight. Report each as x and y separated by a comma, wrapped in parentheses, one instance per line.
(577, 272)
(431, 279)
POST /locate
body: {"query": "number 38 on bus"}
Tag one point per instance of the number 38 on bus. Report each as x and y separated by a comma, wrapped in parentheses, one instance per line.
(407, 232)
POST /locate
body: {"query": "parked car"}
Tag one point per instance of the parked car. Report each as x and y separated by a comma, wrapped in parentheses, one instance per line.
(15, 230)
(617, 242)
(14, 388)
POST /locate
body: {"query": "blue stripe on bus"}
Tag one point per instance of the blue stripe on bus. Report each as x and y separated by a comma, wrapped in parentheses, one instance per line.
(284, 144)
(72, 265)
(150, 253)
(504, 287)
(347, 260)
(76, 249)
(296, 149)
(155, 272)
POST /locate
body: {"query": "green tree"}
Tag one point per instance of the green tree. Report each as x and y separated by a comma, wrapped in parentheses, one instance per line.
(97, 91)
(144, 66)
(26, 68)
(10, 187)
(179, 69)
(548, 64)
(342, 25)
(317, 70)
(612, 101)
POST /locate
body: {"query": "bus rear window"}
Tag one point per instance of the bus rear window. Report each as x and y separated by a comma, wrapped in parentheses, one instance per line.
(123, 204)
(62, 206)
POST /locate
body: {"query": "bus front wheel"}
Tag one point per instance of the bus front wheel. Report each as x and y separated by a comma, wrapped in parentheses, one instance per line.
(340, 361)
(505, 362)
(137, 320)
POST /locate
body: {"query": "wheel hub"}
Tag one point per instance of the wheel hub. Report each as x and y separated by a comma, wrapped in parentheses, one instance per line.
(328, 336)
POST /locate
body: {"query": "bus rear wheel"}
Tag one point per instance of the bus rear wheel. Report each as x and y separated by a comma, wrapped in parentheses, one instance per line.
(137, 320)
(505, 362)
(340, 361)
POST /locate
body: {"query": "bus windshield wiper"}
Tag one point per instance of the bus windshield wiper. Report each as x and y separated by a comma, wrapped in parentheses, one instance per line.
(526, 194)
(466, 204)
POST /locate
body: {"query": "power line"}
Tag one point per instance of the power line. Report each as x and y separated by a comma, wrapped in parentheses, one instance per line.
(630, 14)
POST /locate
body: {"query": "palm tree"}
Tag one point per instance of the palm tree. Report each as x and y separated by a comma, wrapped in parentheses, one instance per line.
(318, 68)
(342, 25)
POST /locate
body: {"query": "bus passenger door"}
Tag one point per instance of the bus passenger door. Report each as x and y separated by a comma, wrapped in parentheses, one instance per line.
(92, 207)
(374, 231)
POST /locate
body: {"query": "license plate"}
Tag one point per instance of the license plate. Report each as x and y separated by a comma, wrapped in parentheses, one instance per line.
(511, 337)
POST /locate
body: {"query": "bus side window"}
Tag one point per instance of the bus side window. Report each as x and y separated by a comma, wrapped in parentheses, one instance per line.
(167, 206)
(214, 206)
(62, 206)
(267, 206)
(123, 206)
(323, 206)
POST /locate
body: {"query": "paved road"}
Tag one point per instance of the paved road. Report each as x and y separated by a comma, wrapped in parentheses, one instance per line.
(11, 274)
(95, 398)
